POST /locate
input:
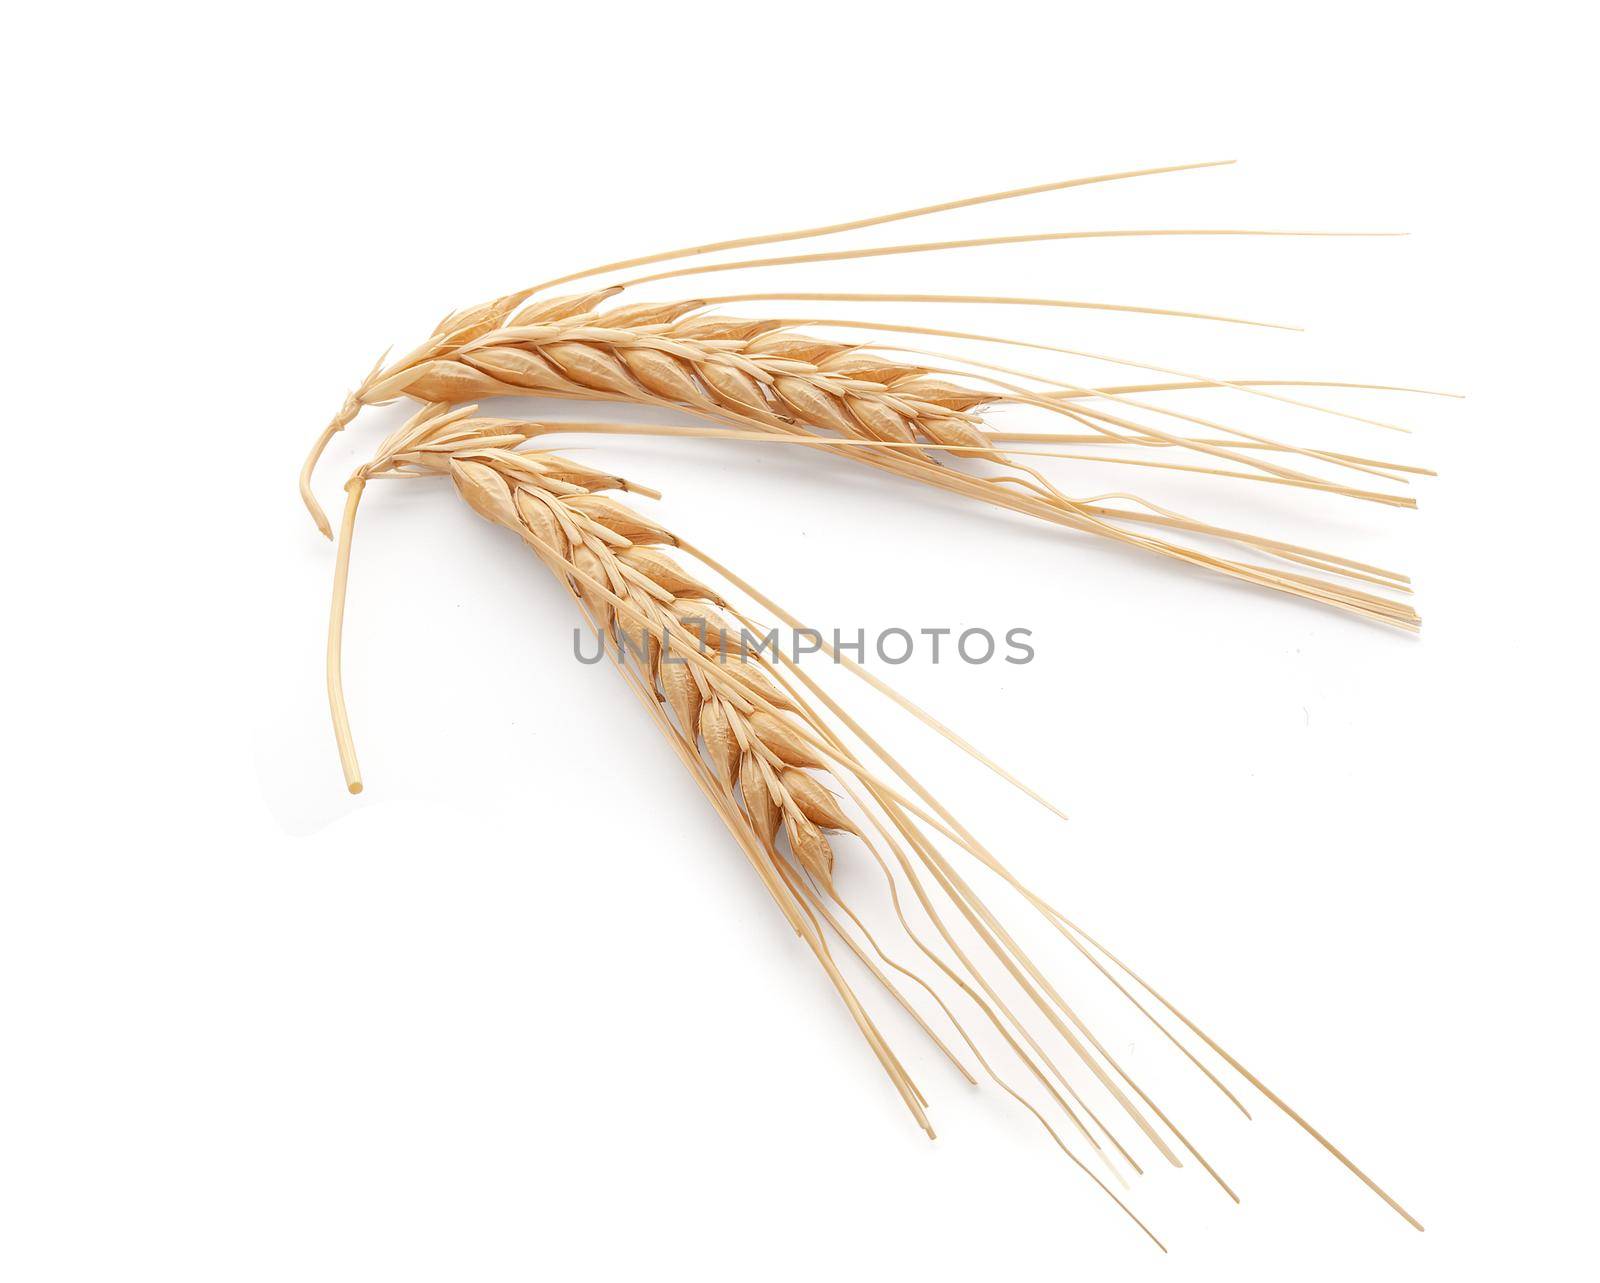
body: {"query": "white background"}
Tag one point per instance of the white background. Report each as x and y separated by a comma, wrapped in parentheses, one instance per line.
(521, 1010)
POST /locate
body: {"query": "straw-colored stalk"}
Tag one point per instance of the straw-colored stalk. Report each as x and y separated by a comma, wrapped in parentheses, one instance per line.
(791, 773)
(915, 413)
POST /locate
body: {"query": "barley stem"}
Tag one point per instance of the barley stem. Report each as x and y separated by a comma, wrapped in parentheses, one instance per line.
(341, 575)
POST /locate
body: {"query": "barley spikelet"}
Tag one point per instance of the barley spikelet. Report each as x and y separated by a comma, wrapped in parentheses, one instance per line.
(803, 788)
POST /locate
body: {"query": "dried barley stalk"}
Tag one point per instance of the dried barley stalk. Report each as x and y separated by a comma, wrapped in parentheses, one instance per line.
(773, 765)
(773, 378)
